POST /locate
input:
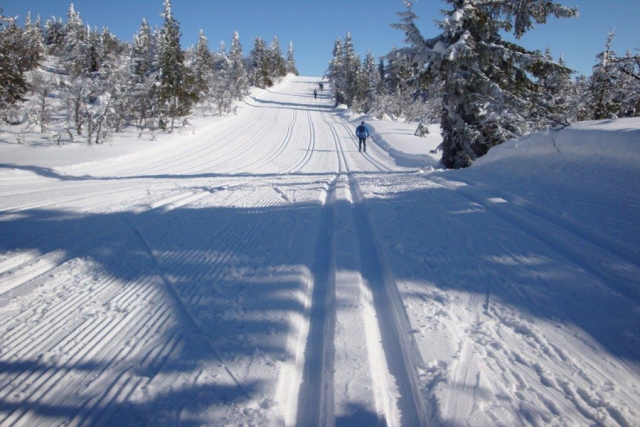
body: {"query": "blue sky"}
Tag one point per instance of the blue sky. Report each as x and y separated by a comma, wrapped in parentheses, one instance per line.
(313, 26)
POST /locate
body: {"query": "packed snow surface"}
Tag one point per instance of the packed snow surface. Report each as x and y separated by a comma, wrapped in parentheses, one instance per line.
(256, 270)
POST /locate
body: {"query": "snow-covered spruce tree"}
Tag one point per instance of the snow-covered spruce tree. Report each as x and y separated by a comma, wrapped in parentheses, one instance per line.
(260, 64)
(580, 95)
(74, 50)
(237, 73)
(629, 67)
(605, 85)
(176, 92)
(398, 72)
(15, 61)
(291, 62)
(368, 85)
(278, 64)
(344, 70)
(54, 35)
(490, 92)
(221, 92)
(201, 66)
(352, 68)
(335, 72)
(555, 101)
(33, 41)
(143, 92)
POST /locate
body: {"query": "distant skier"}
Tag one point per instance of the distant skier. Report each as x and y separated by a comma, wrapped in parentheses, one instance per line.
(362, 133)
(315, 94)
(321, 86)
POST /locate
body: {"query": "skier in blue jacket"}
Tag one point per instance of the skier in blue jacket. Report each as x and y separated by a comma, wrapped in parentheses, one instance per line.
(362, 133)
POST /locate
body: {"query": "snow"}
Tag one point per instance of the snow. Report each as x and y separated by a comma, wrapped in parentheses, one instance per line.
(256, 269)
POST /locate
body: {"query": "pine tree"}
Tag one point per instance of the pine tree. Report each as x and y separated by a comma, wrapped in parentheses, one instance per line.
(14, 63)
(335, 72)
(74, 45)
(629, 67)
(555, 102)
(54, 35)
(260, 64)
(202, 65)
(238, 80)
(291, 63)
(605, 82)
(490, 92)
(142, 75)
(176, 92)
(142, 52)
(352, 68)
(221, 85)
(278, 67)
(369, 84)
(33, 41)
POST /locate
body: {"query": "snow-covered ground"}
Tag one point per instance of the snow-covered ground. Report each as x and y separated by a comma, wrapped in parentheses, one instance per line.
(258, 270)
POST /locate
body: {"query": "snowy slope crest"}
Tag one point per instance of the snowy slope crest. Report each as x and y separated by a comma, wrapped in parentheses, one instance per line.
(602, 140)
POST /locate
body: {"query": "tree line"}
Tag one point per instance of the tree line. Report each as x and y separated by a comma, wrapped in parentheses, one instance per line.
(481, 88)
(104, 84)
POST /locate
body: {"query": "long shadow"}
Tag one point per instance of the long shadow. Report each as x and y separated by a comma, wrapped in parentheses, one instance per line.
(52, 174)
(295, 105)
(240, 273)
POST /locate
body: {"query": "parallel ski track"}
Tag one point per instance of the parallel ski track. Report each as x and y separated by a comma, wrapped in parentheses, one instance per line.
(275, 153)
(224, 159)
(310, 148)
(59, 251)
(30, 343)
(565, 240)
(621, 249)
(225, 236)
(315, 399)
(316, 394)
(61, 201)
(399, 347)
(39, 385)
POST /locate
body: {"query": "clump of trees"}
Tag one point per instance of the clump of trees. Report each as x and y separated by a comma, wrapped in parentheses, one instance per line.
(103, 84)
(482, 88)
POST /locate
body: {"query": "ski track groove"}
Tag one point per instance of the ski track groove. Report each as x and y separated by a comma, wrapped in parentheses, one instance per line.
(225, 158)
(33, 336)
(560, 240)
(76, 198)
(67, 248)
(189, 270)
(103, 330)
(190, 157)
(400, 349)
(310, 148)
(612, 245)
(315, 394)
(283, 144)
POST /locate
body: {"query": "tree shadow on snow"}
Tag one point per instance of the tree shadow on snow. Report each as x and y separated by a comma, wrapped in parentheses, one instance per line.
(225, 284)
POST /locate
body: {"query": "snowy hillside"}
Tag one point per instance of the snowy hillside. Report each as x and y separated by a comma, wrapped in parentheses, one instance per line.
(259, 270)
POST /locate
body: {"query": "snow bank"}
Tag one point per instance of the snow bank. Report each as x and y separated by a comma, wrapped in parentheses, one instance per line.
(602, 141)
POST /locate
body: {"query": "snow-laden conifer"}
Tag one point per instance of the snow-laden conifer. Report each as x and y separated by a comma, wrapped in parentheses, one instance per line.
(14, 63)
(176, 92)
(237, 73)
(490, 92)
(260, 61)
(278, 64)
(291, 62)
(202, 65)
(369, 83)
